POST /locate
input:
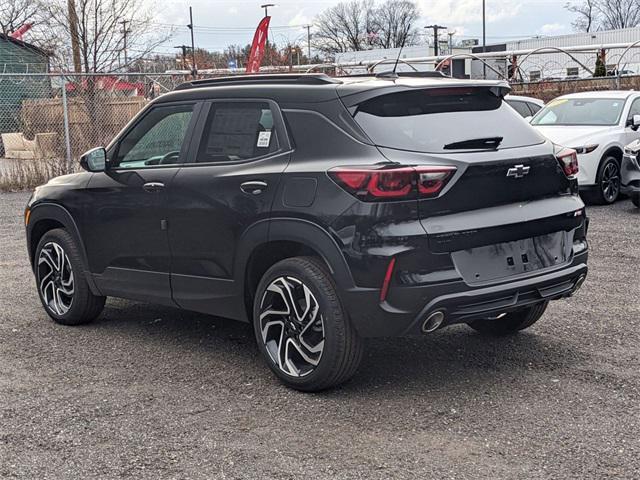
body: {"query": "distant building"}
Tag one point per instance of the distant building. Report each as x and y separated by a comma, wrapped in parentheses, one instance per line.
(18, 57)
(559, 65)
(363, 58)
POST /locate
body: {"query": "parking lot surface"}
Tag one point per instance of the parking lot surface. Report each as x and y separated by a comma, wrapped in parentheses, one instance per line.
(153, 392)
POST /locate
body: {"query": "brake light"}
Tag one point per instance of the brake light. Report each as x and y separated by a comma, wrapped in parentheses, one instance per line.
(568, 159)
(375, 183)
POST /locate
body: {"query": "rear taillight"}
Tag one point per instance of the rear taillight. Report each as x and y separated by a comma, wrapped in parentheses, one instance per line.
(375, 183)
(568, 159)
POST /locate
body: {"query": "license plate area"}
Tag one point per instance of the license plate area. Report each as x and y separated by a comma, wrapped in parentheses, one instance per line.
(503, 260)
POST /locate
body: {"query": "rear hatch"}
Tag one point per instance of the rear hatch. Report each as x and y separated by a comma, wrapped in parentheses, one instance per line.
(508, 184)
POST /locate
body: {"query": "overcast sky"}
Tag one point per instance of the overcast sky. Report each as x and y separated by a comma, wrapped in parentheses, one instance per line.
(220, 23)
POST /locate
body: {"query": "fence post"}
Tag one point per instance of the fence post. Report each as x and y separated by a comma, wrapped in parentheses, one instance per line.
(65, 114)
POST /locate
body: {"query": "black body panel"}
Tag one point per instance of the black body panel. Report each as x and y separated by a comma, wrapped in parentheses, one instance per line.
(193, 243)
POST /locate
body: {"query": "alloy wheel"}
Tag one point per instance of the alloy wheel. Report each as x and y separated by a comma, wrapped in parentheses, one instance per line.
(55, 278)
(292, 326)
(610, 182)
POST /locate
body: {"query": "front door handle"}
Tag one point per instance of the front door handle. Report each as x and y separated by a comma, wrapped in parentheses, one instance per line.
(153, 187)
(254, 187)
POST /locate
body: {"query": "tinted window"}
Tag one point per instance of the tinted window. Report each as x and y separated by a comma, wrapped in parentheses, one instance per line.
(580, 111)
(156, 139)
(237, 131)
(426, 120)
(520, 107)
(534, 107)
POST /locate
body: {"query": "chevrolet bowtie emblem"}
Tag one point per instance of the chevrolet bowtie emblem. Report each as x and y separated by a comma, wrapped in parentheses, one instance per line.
(518, 171)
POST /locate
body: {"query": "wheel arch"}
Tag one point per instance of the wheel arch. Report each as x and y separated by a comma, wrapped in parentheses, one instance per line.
(47, 216)
(289, 238)
(612, 151)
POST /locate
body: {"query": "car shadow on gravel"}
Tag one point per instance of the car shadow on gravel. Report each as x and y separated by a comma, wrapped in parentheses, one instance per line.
(453, 356)
(458, 355)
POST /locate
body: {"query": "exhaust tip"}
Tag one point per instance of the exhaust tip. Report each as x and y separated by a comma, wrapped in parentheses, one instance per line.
(579, 282)
(433, 322)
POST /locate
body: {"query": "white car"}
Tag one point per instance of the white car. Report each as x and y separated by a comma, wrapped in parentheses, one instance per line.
(597, 125)
(525, 106)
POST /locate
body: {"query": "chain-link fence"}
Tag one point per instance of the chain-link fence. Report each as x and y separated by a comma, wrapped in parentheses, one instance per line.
(48, 120)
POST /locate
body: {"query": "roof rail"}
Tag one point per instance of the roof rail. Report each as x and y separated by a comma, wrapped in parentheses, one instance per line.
(299, 78)
(428, 74)
(390, 75)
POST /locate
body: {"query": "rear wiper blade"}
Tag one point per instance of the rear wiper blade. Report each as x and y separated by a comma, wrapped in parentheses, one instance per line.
(489, 143)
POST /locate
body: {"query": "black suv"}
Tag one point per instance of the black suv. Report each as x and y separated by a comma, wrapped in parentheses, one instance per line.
(322, 210)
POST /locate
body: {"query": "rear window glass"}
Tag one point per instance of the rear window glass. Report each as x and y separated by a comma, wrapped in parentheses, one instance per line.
(430, 120)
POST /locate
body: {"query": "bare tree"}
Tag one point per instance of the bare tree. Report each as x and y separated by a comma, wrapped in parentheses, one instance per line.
(14, 13)
(394, 22)
(104, 29)
(605, 14)
(616, 14)
(585, 12)
(344, 27)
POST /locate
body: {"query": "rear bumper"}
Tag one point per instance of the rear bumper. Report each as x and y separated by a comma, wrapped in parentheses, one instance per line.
(459, 302)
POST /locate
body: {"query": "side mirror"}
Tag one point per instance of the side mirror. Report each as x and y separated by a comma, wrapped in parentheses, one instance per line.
(528, 119)
(95, 160)
(635, 122)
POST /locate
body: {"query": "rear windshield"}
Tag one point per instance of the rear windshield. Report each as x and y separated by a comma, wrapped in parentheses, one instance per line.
(580, 111)
(442, 120)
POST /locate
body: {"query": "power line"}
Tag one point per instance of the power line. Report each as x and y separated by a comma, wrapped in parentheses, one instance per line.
(226, 28)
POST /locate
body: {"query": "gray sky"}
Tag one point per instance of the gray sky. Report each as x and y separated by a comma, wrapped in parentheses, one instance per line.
(220, 23)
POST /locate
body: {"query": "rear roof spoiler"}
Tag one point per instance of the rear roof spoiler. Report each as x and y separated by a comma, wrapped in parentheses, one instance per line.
(351, 98)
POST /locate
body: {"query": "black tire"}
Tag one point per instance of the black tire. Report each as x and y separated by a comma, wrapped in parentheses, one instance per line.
(82, 306)
(327, 327)
(607, 189)
(512, 322)
(635, 199)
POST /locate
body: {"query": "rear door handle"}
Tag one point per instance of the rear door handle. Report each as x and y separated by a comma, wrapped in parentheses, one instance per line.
(254, 187)
(153, 187)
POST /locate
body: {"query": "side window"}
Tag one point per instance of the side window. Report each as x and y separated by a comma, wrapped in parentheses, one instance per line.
(520, 107)
(237, 131)
(534, 107)
(156, 140)
(635, 109)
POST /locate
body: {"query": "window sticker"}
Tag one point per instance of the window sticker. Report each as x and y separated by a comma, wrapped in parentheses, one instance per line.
(263, 139)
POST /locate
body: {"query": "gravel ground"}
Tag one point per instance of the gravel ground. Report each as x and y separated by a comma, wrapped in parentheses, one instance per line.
(153, 392)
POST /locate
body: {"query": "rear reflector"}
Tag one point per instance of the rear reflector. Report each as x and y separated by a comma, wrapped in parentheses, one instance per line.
(568, 159)
(387, 280)
(375, 183)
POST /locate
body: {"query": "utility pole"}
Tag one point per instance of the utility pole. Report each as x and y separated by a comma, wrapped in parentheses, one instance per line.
(194, 67)
(266, 8)
(125, 31)
(435, 28)
(184, 49)
(73, 30)
(484, 37)
(266, 14)
(451, 34)
(308, 27)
